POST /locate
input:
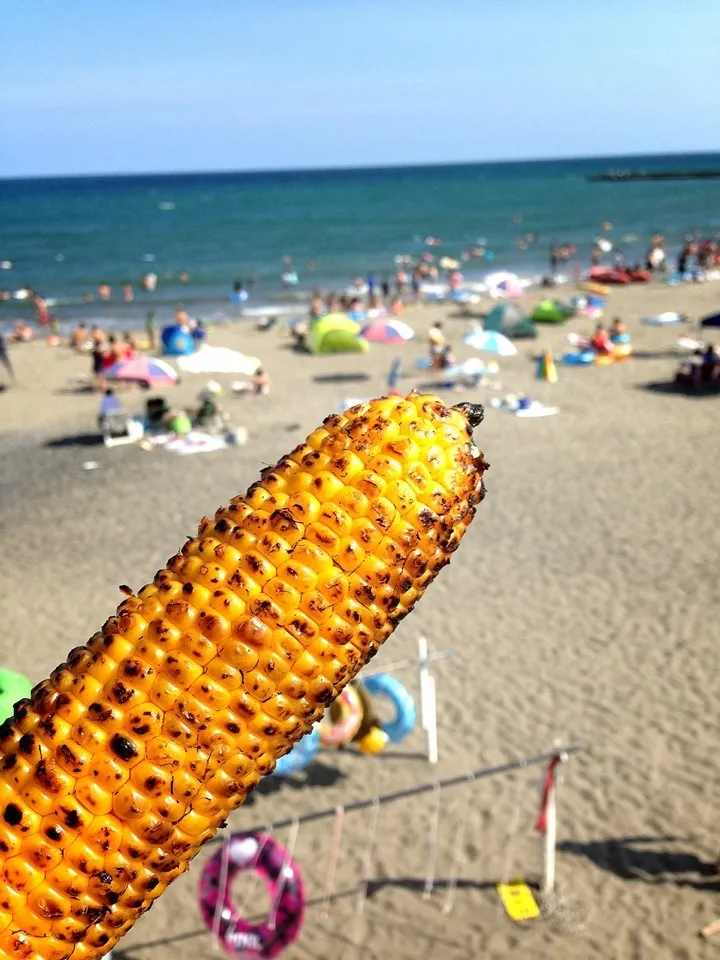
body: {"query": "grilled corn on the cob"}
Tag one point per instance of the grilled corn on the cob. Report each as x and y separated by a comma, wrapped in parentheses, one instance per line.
(120, 766)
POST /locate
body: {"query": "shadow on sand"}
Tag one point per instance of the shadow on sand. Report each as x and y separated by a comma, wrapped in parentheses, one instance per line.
(669, 388)
(341, 377)
(76, 440)
(316, 774)
(642, 858)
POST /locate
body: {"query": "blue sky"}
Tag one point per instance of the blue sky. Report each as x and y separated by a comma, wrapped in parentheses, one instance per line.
(165, 85)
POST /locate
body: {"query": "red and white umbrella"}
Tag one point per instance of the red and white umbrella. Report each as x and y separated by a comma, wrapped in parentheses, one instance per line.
(141, 369)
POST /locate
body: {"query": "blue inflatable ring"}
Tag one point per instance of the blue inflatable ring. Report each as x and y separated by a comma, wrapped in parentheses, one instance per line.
(300, 756)
(579, 359)
(385, 685)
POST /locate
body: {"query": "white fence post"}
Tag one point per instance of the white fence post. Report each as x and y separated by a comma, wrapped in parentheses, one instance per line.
(428, 701)
(550, 845)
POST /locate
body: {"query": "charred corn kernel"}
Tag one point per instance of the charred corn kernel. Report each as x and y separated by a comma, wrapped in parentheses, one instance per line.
(119, 767)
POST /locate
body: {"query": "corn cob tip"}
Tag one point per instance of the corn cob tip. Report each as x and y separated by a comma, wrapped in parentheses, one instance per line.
(474, 413)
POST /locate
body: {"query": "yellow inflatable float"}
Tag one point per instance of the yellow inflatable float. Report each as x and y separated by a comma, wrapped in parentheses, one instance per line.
(589, 287)
(620, 351)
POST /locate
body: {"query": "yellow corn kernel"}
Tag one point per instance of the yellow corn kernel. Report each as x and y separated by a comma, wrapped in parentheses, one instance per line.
(136, 750)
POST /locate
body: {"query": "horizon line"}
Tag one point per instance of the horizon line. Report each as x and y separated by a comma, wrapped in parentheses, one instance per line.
(347, 168)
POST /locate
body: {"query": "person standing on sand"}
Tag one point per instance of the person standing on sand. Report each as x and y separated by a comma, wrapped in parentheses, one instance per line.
(436, 345)
(417, 279)
(98, 359)
(4, 358)
(401, 280)
(181, 318)
(151, 328)
(317, 307)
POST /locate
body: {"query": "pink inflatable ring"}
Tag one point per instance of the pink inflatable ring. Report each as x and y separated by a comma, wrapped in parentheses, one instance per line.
(238, 937)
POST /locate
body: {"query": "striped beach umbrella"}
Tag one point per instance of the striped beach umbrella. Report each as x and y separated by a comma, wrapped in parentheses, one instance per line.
(141, 369)
(389, 330)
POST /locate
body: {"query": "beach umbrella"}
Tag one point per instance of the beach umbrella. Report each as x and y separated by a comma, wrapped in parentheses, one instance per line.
(490, 341)
(337, 333)
(150, 370)
(503, 284)
(218, 360)
(388, 330)
(712, 321)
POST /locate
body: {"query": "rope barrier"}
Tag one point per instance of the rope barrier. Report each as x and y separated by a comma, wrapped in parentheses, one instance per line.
(446, 784)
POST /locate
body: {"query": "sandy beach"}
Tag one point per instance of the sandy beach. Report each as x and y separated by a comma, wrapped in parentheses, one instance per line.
(581, 609)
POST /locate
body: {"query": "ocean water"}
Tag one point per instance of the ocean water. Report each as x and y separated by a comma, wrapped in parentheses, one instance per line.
(66, 236)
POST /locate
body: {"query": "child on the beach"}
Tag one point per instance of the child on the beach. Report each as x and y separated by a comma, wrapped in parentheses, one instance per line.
(601, 342)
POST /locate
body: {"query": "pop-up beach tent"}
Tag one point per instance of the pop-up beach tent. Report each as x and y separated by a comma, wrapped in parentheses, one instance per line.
(336, 333)
(550, 311)
(509, 320)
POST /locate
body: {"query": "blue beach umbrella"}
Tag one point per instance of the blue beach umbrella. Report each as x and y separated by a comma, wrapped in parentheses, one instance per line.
(489, 341)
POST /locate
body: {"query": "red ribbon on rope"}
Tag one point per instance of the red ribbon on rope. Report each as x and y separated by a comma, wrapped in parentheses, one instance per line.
(548, 784)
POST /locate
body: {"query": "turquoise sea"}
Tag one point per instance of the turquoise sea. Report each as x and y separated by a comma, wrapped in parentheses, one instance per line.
(66, 236)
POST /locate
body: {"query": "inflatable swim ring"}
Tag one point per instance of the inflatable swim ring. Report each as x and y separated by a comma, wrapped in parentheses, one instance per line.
(622, 349)
(272, 863)
(620, 338)
(300, 756)
(385, 685)
(370, 738)
(346, 716)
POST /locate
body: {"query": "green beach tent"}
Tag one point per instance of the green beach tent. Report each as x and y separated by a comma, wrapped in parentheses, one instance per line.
(336, 333)
(550, 311)
(509, 320)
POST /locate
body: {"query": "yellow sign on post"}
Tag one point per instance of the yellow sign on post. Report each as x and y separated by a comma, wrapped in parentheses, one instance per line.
(518, 900)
